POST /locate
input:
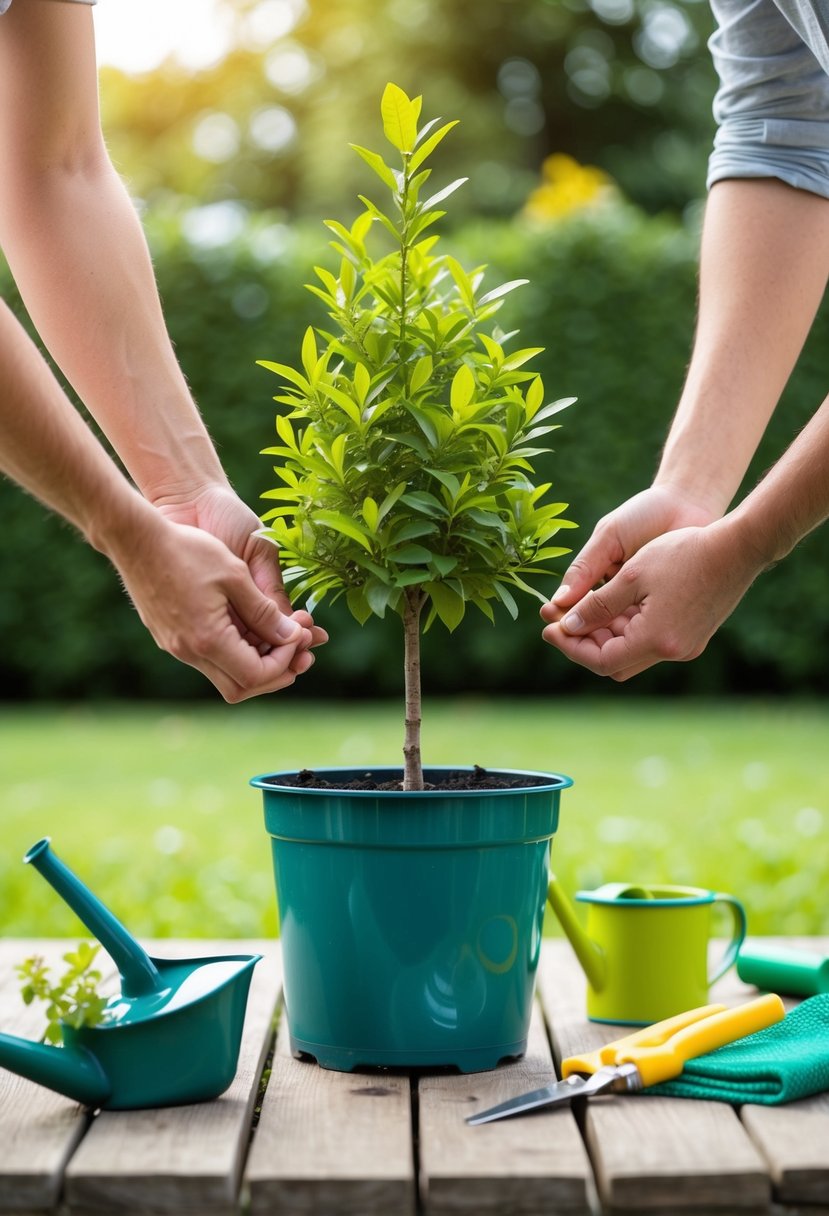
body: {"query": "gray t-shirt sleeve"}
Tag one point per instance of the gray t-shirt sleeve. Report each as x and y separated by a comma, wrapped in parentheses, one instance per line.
(772, 106)
(5, 4)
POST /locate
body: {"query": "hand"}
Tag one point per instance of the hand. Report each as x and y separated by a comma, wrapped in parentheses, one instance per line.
(619, 535)
(222, 513)
(664, 604)
(191, 592)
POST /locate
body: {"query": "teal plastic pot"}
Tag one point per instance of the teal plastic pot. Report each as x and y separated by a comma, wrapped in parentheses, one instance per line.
(410, 922)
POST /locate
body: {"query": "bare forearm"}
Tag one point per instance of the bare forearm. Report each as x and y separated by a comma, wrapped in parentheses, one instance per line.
(78, 253)
(790, 501)
(764, 265)
(47, 448)
(87, 280)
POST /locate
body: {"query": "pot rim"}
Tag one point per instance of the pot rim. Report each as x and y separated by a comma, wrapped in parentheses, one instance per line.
(550, 782)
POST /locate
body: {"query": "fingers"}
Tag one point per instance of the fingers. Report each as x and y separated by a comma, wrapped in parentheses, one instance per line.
(262, 618)
(600, 558)
(319, 636)
(599, 608)
(263, 562)
(239, 670)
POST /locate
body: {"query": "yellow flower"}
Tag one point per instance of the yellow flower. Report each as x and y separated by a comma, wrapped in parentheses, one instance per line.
(566, 187)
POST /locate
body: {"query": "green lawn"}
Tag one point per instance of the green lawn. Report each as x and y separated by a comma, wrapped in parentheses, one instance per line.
(152, 808)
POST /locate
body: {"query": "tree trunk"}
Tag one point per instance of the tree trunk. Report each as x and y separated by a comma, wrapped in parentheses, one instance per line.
(413, 766)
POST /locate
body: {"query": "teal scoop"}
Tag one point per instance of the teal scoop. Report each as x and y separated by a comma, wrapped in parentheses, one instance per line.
(172, 1034)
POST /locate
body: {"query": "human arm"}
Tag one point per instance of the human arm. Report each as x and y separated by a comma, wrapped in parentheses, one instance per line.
(764, 262)
(185, 584)
(670, 598)
(763, 268)
(78, 254)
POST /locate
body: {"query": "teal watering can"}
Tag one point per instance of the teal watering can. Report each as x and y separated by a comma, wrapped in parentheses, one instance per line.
(171, 1036)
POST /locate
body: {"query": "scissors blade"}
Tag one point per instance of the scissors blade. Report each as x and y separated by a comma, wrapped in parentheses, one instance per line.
(557, 1094)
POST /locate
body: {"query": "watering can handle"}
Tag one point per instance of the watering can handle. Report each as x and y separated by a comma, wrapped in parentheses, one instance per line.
(139, 973)
(737, 938)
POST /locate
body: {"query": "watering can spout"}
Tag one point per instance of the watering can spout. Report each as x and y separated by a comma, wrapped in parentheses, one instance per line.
(75, 1073)
(589, 954)
(139, 974)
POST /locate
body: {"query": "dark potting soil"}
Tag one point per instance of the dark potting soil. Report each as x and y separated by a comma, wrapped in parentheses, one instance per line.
(476, 779)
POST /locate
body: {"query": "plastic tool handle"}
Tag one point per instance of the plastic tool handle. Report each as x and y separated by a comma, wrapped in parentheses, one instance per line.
(648, 1036)
(139, 973)
(661, 1063)
(781, 969)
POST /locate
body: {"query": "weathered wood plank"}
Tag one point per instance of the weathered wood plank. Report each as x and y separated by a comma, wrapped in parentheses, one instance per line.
(524, 1166)
(39, 1130)
(330, 1142)
(794, 1138)
(652, 1154)
(183, 1159)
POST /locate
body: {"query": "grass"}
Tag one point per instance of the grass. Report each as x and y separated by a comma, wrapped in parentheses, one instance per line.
(152, 808)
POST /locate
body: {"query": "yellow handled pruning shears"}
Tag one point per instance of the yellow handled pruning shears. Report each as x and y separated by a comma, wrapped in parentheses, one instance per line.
(656, 1053)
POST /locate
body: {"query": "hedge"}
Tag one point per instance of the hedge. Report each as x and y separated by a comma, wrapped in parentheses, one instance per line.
(612, 298)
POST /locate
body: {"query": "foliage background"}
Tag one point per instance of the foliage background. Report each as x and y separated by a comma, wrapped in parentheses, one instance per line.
(233, 168)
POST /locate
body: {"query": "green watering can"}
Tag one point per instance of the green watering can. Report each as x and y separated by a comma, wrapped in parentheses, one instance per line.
(171, 1036)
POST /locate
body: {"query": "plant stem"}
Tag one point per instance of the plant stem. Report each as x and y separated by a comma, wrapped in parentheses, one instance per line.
(413, 765)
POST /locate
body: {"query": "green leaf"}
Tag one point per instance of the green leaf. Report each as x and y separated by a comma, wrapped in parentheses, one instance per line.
(421, 373)
(425, 423)
(484, 606)
(376, 162)
(287, 373)
(370, 513)
(462, 281)
(506, 598)
(348, 278)
(423, 501)
(521, 357)
(407, 578)
(358, 605)
(309, 353)
(362, 382)
(427, 148)
(388, 224)
(410, 555)
(390, 499)
(286, 492)
(345, 525)
(423, 221)
(519, 582)
(449, 480)
(449, 606)
(286, 432)
(444, 193)
(349, 407)
(488, 519)
(399, 114)
(378, 596)
(504, 289)
(412, 528)
(444, 563)
(415, 442)
(463, 388)
(554, 407)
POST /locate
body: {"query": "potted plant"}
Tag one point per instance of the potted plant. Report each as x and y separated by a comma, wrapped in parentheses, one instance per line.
(410, 901)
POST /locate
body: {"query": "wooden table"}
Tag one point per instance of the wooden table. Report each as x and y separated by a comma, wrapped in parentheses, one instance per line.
(303, 1140)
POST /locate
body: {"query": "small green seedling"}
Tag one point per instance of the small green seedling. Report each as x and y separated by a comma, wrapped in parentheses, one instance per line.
(405, 450)
(73, 999)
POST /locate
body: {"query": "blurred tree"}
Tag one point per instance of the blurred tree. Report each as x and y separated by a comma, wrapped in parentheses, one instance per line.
(624, 84)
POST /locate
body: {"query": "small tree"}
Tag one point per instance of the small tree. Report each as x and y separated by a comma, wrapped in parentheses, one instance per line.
(406, 449)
